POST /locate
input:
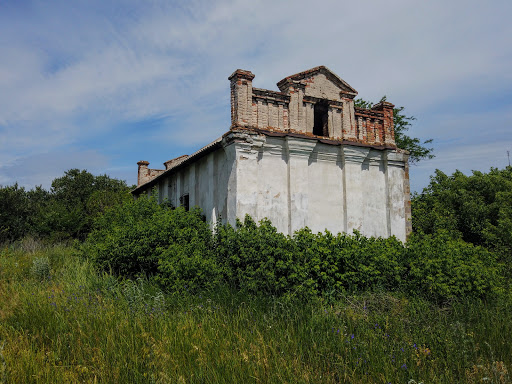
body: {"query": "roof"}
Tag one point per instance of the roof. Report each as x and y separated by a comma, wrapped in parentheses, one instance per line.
(180, 163)
(218, 144)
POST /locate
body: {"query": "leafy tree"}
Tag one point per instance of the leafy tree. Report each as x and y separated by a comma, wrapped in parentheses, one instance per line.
(79, 196)
(64, 212)
(402, 123)
(14, 213)
(476, 208)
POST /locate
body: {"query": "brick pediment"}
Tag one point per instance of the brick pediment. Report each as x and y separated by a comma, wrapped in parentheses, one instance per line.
(319, 82)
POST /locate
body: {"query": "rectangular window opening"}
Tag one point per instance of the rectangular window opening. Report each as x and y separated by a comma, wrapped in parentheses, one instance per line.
(320, 127)
(184, 202)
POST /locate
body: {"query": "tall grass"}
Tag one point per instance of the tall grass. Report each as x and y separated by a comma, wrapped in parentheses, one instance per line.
(71, 324)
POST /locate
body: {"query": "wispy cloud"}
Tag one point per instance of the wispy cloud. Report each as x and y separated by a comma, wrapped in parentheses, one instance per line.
(97, 75)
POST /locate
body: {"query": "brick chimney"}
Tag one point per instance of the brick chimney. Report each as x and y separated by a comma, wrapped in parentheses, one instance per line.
(142, 175)
(241, 98)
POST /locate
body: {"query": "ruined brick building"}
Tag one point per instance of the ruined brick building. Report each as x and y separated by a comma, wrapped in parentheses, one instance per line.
(303, 156)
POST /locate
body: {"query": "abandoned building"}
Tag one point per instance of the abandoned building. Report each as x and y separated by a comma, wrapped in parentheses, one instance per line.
(303, 156)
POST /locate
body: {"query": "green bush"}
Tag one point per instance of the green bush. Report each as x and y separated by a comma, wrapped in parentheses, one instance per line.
(186, 263)
(259, 259)
(443, 268)
(253, 257)
(142, 237)
(350, 263)
(178, 250)
(476, 208)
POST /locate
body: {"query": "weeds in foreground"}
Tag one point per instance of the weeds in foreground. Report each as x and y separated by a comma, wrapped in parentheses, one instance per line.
(81, 326)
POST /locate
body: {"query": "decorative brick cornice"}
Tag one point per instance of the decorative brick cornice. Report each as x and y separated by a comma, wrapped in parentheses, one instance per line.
(383, 105)
(242, 74)
(370, 113)
(266, 94)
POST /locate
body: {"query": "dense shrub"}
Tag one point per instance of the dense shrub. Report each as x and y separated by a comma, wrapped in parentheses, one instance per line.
(178, 250)
(444, 268)
(259, 259)
(254, 257)
(144, 237)
(186, 263)
(349, 262)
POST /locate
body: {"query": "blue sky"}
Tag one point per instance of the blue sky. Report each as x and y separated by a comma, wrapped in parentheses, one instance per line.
(100, 85)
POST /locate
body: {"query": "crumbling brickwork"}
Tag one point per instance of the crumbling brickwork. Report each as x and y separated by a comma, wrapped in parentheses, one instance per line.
(145, 174)
(293, 109)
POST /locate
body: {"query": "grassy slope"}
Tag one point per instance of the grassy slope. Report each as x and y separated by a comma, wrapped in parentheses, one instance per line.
(78, 326)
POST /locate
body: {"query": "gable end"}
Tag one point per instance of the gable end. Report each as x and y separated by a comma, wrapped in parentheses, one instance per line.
(345, 90)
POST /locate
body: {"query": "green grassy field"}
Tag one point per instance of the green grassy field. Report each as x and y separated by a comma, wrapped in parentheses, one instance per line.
(62, 322)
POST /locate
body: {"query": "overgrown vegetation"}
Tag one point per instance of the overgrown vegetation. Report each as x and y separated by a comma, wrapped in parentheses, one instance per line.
(63, 213)
(177, 250)
(475, 208)
(154, 295)
(78, 325)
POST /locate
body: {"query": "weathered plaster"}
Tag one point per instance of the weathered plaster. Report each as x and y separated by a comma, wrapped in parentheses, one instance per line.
(271, 165)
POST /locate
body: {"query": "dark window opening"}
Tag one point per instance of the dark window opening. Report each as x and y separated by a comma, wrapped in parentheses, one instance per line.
(184, 202)
(320, 127)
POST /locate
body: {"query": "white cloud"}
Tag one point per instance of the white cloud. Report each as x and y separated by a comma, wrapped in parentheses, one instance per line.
(73, 71)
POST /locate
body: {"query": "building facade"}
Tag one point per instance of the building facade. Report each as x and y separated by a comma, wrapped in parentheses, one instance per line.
(300, 156)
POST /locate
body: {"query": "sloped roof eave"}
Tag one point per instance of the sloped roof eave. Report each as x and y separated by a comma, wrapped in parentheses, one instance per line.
(193, 157)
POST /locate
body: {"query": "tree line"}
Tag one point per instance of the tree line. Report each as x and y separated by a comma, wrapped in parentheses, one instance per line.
(461, 242)
(476, 208)
(65, 212)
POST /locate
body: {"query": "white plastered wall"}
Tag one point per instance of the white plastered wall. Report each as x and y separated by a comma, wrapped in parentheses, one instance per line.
(296, 182)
